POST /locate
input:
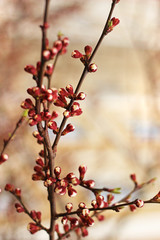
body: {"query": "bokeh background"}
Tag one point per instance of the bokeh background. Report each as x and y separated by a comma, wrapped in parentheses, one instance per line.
(119, 130)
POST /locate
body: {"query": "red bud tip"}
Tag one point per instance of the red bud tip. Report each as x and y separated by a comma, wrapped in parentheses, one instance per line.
(18, 192)
(139, 203)
(46, 55)
(92, 67)
(69, 207)
(3, 158)
(19, 208)
(76, 54)
(88, 50)
(10, 188)
(33, 228)
(65, 41)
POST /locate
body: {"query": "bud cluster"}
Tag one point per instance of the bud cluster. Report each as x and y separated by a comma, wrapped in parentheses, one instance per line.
(59, 47)
(15, 191)
(84, 58)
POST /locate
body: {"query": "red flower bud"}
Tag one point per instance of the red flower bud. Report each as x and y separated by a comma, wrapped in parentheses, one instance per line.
(53, 52)
(19, 208)
(40, 162)
(100, 201)
(82, 170)
(66, 228)
(85, 212)
(32, 122)
(139, 203)
(31, 69)
(92, 67)
(69, 128)
(113, 22)
(60, 190)
(132, 207)
(52, 125)
(66, 114)
(75, 181)
(41, 153)
(37, 118)
(70, 176)
(82, 205)
(51, 94)
(76, 54)
(74, 222)
(75, 109)
(69, 89)
(64, 220)
(84, 232)
(33, 228)
(81, 96)
(3, 158)
(71, 192)
(69, 207)
(27, 104)
(100, 217)
(89, 183)
(36, 216)
(57, 171)
(65, 41)
(133, 177)
(31, 113)
(38, 176)
(58, 44)
(88, 50)
(46, 55)
(18, 192)
(49, 69)
(94, 204)
(10, 188)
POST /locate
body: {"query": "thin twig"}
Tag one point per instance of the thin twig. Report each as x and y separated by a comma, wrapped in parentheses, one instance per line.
(7, 141)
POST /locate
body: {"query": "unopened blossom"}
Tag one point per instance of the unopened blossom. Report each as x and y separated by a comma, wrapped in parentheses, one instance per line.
(82, 170)
(92, 67)
(33, 228)
(19, 208)
(69, 128)
(139, 203)
(69, 207)
(3, 158)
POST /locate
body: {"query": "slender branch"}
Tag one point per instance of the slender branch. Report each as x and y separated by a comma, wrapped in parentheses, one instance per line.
(7, 141)
(113, 207)
(98, 190)
(84, 73)
(44, 132)
(29, 214)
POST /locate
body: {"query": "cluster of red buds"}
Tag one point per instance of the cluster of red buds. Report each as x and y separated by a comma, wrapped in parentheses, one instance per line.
(65, 184)
(138, 204)
(85, 58)
(33, 228)
(59, 47)
(15, 191)
(49, 95)
(35, 215)
(79, 224)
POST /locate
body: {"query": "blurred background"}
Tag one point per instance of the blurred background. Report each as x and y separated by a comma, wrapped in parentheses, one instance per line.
(119, 131)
